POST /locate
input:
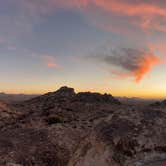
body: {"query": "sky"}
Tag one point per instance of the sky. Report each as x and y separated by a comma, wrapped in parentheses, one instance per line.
(106, 46)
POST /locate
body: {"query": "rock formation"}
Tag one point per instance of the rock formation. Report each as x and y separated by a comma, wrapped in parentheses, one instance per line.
(159, 104)
(65, 128)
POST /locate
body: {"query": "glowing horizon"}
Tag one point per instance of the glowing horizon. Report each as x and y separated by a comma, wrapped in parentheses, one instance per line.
(106, 46)
(147, 94)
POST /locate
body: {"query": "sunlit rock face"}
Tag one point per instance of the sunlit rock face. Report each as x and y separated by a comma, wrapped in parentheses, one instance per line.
(127, 138)
(65, 128)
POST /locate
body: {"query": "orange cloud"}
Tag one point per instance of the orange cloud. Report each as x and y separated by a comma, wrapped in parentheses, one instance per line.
(49, 61)
(130, 63)
(149, 13)
(131, 9)
(119, 6)
(147, 62)
(146, 11)
(151, 16)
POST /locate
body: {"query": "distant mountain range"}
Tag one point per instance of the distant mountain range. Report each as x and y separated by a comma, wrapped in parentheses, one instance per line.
(15, 97)
(136, 100)
(82, 95)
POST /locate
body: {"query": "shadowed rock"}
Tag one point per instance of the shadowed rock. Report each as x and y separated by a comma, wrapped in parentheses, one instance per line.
(159, 104)
(89, 97)
(65, 128)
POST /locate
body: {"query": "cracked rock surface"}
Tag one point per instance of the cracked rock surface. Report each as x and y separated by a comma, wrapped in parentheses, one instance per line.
(65, 128)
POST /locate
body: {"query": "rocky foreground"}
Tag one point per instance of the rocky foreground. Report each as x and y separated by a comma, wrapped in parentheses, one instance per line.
(84, 129)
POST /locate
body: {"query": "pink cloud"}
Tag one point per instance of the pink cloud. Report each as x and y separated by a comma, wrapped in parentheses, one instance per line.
(159, 47)
(120, 16)
(149, 15)
(146, 64)
(131, 9)
(49, 61)
(130, 63)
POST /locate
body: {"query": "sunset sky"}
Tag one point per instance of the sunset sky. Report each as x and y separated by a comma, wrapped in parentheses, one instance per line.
(112, 46)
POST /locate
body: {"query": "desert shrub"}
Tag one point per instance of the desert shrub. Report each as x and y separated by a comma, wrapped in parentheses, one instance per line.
(54, 119)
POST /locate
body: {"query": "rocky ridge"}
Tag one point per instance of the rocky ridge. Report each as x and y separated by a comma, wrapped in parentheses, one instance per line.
(159, 104)
(65, 128)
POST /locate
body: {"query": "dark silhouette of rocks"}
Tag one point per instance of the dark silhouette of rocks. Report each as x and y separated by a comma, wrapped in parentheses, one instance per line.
(65, 128)
(68, 94)
(159, 104)
(89, 97)
(65, 92)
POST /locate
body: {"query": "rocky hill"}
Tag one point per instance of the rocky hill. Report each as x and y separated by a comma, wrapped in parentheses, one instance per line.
(159, 104)
(65, 128)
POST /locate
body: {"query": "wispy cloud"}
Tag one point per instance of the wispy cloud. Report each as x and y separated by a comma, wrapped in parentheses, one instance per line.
(149, 14)
(127, 62)
(159, 47)
(120, 16)
(49, 61)
(131, 8)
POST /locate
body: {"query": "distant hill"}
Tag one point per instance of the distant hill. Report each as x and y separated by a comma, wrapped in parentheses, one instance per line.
(135, 100)
(15, 97)
(69, 95)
